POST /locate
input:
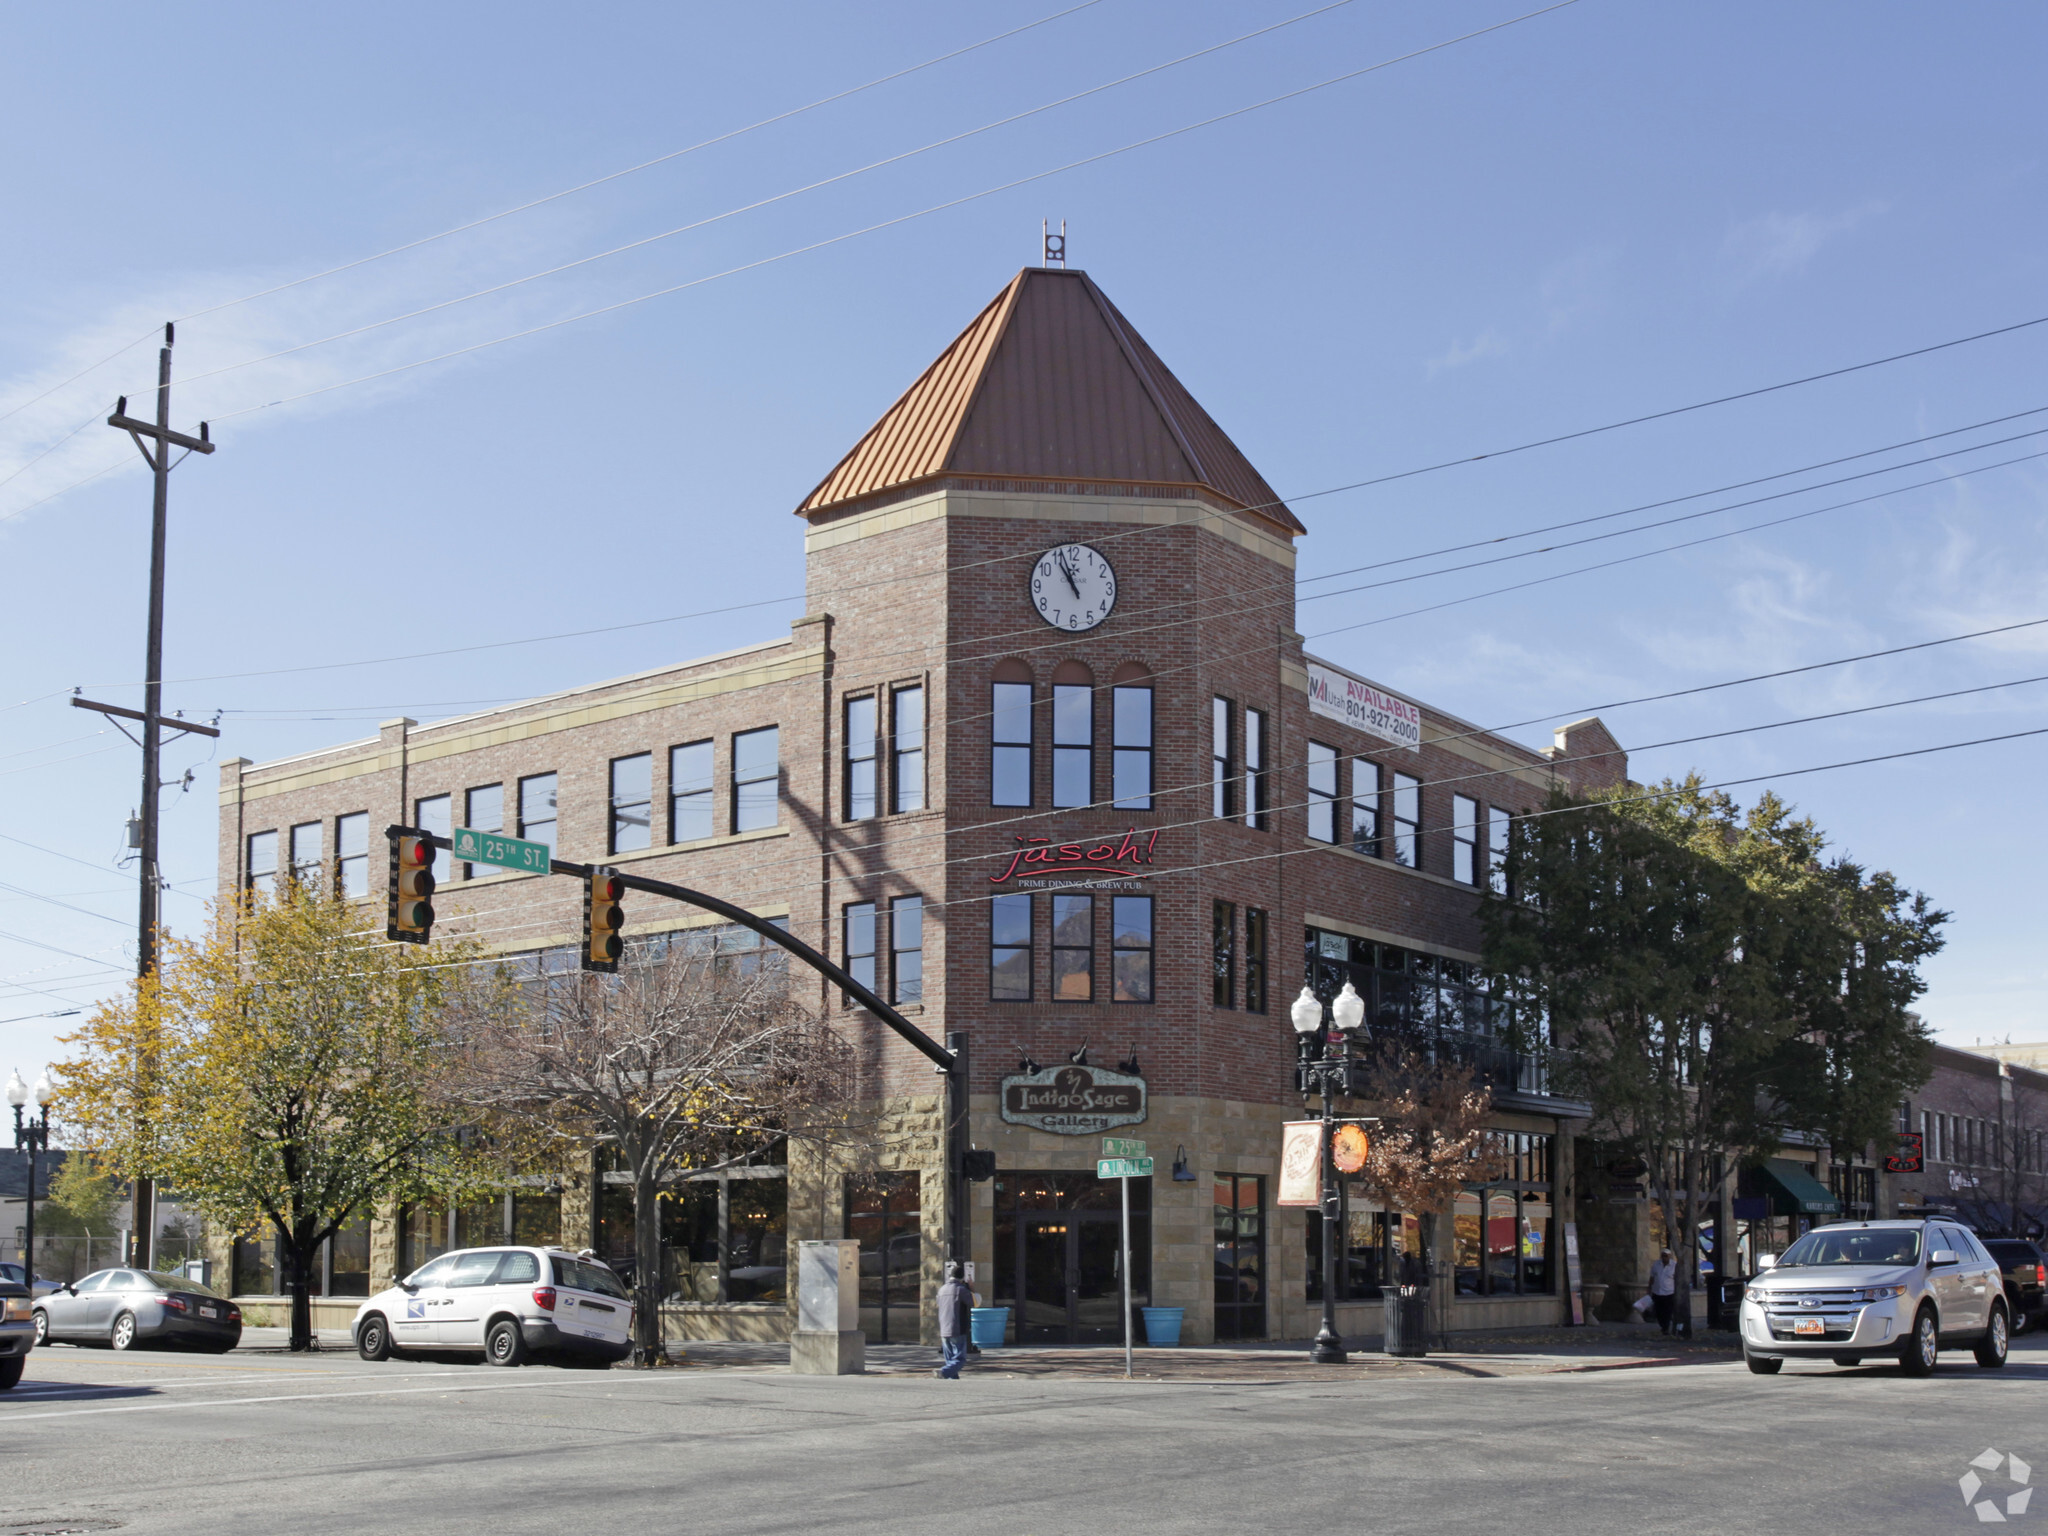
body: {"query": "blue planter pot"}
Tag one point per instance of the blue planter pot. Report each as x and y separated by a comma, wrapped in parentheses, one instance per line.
(1162, 1326)
(988, 1326)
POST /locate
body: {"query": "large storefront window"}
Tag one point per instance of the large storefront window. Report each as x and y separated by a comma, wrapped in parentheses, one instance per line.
(884, 1214)
(1502, 1230)
(1058, 1259)
(724, 1236)
(1380, 1247)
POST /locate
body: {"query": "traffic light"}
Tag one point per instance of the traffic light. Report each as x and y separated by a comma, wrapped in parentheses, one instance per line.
(409, 912)
(603, 917)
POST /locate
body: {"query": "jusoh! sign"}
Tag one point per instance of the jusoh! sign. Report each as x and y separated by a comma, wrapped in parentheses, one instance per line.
(1073, 1100)
(1363, 707)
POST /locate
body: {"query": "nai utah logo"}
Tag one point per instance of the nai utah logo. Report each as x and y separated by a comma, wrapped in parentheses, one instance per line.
(1987, 1509)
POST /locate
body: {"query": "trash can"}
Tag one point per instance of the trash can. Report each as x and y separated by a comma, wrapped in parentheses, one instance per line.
(988, 1327)
(1407, 1320)
(1162, 1326)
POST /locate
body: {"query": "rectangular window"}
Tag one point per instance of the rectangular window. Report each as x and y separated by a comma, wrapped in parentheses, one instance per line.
(483, 811)
(1130, 758)
(263, 862)
(863, 761)
(1073, 744)
(352, 854)
(1223, 789)
(1073, 949)
(859, 921)
(1254, 960)
(1256, 797)
(1497, 825)
(1407, 819)
(906, 746)
(1322, 792)
(690, 791)
(1009, 949)
(1240, 1230)
(1009, 780)
(1223, 954)
(435, 814)
(906, 949)
(632, 802)
(1464, 839)
(1130, 949)
(537, 809)
(305, 847)
(1365, 807)
(756, 779)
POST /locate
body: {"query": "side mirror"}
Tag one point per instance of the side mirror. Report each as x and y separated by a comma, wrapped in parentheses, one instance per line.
(407, 1286)
(70, 1289)
(1941, 1257)
(1765, 1260)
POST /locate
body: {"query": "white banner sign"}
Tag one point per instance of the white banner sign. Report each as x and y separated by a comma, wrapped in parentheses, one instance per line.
(1364, 707)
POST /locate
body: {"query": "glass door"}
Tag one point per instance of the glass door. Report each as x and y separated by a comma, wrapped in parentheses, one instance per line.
(1240, 1228)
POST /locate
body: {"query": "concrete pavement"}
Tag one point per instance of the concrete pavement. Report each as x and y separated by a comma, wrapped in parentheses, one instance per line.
(257, 1442)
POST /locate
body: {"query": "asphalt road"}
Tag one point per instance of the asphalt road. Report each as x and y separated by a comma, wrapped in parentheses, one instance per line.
(267, 1443)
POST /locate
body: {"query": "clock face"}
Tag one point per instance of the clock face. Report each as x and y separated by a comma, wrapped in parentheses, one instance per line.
(1072, 587)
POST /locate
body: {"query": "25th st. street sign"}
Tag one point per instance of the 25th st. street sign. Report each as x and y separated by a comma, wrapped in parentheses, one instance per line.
(475, 847)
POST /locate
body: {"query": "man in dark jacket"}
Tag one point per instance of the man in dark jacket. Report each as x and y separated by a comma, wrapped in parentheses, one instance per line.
(955, 1302)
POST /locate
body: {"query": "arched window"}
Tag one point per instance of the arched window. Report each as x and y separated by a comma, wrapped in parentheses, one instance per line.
(1073, 735)
(1009, 769)
(1130, 759)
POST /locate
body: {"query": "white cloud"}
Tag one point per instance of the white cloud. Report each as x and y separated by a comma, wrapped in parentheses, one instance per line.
(1488, 343)
(1781, 244)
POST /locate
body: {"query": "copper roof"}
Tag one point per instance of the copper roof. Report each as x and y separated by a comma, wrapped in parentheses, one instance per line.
(1050, 383)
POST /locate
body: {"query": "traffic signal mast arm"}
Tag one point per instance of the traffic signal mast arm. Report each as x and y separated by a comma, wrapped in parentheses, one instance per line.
(937, 1054)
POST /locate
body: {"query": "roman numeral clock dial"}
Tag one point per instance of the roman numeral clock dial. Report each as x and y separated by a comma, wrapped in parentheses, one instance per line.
(1072, 587)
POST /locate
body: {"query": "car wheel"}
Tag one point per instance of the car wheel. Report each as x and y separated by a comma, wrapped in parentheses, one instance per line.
(42, 1328)
(373, 1338)
(1991, 1349)
(505, 1344)
(10, 1372)
(1762, 1365)
(123, 1336)
(1922, 1347)
(2021, 1322)
(1848, 1359)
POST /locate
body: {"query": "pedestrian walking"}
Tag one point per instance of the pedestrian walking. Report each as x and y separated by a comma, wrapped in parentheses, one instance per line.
(955, 1303)
(1664, 1287)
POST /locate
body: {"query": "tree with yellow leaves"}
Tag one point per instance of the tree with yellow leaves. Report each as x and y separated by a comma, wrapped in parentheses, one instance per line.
(281, 1072)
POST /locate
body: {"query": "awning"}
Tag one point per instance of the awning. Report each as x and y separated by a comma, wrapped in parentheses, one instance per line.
(1795, 1192)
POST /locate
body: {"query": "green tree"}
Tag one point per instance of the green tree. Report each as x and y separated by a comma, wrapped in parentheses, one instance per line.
(280, 1071)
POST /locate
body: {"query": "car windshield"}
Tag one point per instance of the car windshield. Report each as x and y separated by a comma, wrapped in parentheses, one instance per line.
(1862, 1245)
(165, 1282)
(578, 1276)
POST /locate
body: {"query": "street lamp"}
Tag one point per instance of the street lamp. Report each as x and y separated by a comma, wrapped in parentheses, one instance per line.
(33, 1137)
(1329, 1074)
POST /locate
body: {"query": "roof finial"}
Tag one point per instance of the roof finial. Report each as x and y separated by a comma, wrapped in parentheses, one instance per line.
(1055, 245)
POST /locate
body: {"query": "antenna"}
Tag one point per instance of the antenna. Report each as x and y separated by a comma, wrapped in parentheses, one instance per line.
(1053, 247)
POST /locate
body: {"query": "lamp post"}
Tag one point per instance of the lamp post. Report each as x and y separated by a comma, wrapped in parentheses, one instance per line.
(33, 1137)
(1327, 1073)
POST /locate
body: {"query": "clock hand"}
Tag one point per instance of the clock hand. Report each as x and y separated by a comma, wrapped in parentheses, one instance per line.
(1067, 571)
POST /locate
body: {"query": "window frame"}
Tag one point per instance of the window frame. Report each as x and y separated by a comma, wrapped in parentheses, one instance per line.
(1119, 752)
(1257, 932)
(1320, 804)
(708, 793)
(1366, 810)
(1006, 749)
(250, 873)
(1010, 902)
(860, 773)
(1466, 817)
(1222, 953)
(773, 777)
(352, 870)
(1087, 900)
(898, 907)
(1258, 795)
(1222, 735)
(614, 807)
(1407, 830)
(1067, 751)
(906, 764)
(851, 913)
(303, 870)
(1118, 949)
(469, 820)
(1500, 831)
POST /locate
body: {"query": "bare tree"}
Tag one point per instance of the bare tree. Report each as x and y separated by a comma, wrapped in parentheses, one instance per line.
(681, 1061)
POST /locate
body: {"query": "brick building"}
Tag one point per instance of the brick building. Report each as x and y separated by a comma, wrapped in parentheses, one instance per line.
(1983, 1128)
(1046, 759)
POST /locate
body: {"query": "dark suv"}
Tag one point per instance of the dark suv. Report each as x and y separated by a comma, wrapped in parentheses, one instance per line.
(2026, 1279)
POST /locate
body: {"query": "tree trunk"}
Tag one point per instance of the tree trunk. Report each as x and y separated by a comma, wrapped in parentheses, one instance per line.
(293, 1254)
(646, 1270)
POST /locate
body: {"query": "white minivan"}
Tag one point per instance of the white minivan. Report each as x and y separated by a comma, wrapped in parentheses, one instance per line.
(507, 1304)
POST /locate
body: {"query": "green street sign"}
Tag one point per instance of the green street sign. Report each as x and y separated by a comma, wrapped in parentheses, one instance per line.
(1118, 1146)
(472, 847)
(1124, 1168)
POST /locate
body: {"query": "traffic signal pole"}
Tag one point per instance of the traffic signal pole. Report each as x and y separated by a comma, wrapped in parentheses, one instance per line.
(149, 879)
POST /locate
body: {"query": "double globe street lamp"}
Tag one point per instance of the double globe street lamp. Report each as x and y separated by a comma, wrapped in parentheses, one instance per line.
(32, 1137)
(1332, 1072)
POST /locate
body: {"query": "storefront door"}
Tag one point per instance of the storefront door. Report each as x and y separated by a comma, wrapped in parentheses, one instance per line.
(1059, 1259)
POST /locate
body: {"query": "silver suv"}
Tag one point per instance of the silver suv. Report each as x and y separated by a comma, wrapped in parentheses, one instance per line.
(1862, 1290)
(507, 1304)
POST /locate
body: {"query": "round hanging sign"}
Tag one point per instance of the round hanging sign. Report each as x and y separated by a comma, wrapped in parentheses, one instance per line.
(1349, 1148)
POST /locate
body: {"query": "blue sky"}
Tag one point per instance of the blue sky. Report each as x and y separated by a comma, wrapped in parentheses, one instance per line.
(1597, 212)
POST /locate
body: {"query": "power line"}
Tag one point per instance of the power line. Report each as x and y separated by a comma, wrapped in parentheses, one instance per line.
(458, 229)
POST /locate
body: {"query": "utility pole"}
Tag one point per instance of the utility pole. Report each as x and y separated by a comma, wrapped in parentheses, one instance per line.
(151, 717)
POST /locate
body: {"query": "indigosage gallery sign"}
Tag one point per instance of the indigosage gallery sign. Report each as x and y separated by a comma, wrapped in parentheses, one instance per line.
(1074, 1100)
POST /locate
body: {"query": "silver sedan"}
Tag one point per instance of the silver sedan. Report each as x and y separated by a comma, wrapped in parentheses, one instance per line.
(128, 1308)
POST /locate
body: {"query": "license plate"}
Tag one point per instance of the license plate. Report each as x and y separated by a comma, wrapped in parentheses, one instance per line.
(209, 1311)
(1808, 1325)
